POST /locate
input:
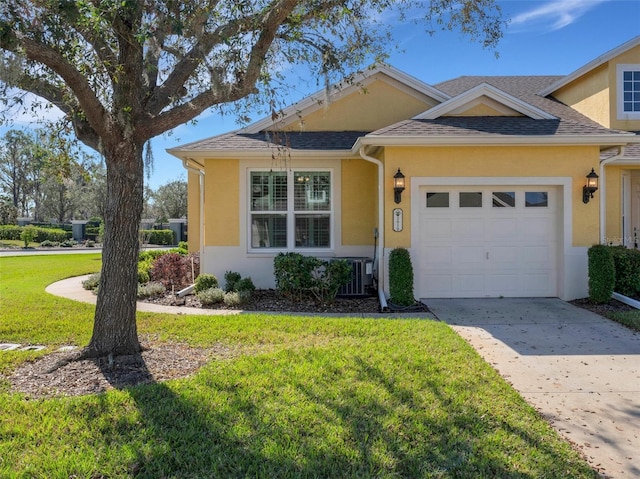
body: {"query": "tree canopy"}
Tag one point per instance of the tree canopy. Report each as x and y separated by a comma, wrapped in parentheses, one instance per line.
(125, 71)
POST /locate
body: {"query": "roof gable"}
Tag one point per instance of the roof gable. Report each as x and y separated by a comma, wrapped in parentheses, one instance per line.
(315, 111)
(490, 96)
(592, 65)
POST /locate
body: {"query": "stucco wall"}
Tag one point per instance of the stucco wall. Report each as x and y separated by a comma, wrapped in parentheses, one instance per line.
(573, 162)
(359, 202)
(221, 203)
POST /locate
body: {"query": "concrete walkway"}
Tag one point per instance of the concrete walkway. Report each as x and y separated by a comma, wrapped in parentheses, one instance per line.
(578, 369)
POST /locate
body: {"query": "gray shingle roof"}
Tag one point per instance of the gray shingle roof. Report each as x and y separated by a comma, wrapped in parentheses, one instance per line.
(487, 126)
(311, 140)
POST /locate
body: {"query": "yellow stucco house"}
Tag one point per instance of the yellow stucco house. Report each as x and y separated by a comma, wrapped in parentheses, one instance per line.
(494, 170)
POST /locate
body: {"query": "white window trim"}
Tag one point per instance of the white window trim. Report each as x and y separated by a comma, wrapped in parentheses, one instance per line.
(620, 113)
(291, 214)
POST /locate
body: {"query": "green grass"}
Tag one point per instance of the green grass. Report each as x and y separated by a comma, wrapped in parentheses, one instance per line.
(631, 319)
(312, 397)
(17, 244)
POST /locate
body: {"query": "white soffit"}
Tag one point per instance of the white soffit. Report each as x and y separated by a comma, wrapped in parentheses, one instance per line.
(489, 91)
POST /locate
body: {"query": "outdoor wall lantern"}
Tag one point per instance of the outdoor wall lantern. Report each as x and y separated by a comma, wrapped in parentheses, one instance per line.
(398, 186)
(591, 187)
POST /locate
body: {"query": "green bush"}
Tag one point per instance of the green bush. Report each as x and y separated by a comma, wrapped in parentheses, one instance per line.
(245, 286)
(211, 296)
(232, 298)
(151, 254)
(401, 277)
(10, 232)
(27, 235)
(49, 244)
(159, 237)
(627, 268)
(230, 280)
(183, 245)
(92, 282)
(298, 275)
(150, 289)
(205, 281)
(602, 274)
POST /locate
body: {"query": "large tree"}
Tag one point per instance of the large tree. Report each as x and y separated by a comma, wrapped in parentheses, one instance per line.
(124, 71)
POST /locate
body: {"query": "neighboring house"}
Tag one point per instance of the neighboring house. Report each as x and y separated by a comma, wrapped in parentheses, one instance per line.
(494, 171)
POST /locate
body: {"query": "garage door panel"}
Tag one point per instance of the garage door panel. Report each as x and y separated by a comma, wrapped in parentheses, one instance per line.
(489, 250)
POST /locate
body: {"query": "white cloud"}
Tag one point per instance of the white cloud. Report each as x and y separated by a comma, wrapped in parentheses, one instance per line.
(555, 14)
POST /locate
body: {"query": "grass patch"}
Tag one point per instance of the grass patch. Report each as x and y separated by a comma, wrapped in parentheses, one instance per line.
(631, 319)
(320, 397)
(17, 244)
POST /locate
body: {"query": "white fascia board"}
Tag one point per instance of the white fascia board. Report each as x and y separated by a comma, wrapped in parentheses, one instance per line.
(590, 66)
(515, 140)
(316, 100)
(484, 89)
(261, 154)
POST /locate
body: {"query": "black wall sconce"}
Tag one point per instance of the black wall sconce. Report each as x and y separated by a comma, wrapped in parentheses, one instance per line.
(398, 186)
(591, 187)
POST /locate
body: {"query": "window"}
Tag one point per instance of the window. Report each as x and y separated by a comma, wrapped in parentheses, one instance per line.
(504, 199)
(628, 92)
(536, 199)
(437, 200)
(290, 209)
(470, 200)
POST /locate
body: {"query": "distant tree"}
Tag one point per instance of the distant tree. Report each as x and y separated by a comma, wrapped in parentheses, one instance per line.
(170, 200)
(8, 212)
(16, 148)
(126, 71)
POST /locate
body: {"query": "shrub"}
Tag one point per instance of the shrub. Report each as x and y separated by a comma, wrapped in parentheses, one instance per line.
(90, 243)
(49, 244)
(401, 277)
(205, 281)
(211, 296)
(151, 254)
(144, 271)
(245, 286)
(160, 237)
(294, 273)
(68, 243)
(28, 234)
(150, 289)
(172, 270)
(231, 278)
(183, 245)
(602, 274)
(10, 232)
(297, 275)
(627, 269)
(232, 298)
(92, 282)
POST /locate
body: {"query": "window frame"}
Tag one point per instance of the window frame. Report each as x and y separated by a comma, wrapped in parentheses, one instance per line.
(620, 70)
(291, 212)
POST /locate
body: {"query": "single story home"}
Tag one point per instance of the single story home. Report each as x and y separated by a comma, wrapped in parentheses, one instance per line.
(497, 185)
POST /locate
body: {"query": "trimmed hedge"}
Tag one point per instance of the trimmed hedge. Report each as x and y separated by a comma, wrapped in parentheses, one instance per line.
(627, 270)
(13, 232)
(401, 277)
(602, 273)
(160, 237)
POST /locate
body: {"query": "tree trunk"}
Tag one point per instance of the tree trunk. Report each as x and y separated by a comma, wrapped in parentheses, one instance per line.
(114, 328)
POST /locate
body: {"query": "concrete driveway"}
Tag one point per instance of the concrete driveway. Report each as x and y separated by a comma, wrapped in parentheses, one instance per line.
(580, 370)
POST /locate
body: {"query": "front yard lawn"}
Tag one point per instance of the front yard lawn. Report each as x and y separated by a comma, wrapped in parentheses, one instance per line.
(307, 397)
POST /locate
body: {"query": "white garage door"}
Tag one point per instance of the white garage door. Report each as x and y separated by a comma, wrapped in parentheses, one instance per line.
(488, 242)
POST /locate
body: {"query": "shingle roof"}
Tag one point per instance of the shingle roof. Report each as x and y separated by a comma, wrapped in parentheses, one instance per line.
(311, 140)
(523, 87)
(489, 126)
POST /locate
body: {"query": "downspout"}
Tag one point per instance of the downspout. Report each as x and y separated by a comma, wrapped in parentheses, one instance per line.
(603, 189)
(200, 173)
(380, 253)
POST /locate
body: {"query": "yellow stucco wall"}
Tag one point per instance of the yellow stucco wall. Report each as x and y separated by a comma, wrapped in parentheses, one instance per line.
(381, 104)
(630, 57)
(222, 202)
(613, 192)
(595, 94)
(574, 162)
(359, 202)
(589, 95)
(193, 211)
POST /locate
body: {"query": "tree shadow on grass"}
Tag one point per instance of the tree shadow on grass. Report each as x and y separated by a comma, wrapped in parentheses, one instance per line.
(240, 421)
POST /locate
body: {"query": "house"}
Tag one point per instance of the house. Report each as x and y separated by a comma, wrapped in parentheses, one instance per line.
(495, 199)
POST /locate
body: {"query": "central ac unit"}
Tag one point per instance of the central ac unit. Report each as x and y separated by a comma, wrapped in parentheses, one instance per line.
(361, 278)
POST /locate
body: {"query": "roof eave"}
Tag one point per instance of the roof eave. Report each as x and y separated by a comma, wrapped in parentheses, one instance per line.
(256, 154)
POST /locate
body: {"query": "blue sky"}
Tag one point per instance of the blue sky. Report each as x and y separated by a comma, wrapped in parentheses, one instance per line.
(545, 37)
